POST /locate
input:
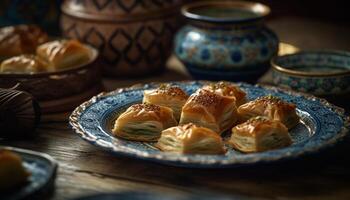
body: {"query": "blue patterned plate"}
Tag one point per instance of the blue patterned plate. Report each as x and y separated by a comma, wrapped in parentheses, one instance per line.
(322, 124)
(43, 173)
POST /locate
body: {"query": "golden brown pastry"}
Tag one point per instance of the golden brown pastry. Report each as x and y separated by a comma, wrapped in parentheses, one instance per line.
(166, 95)
(260, 134)
(228, 89)
(271, 107)
(64, 54)
(143, 122)
(190, 139)
(12, 172)
(208, 109)
(21, 39)
(23, 64)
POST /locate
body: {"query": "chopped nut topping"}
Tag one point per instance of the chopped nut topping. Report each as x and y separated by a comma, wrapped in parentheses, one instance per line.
(206, 98)
(172, 91)
(146, 107)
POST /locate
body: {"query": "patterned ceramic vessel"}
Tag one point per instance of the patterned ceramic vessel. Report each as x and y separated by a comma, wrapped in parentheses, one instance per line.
(226, 40)
(134, 36)
(316, 72)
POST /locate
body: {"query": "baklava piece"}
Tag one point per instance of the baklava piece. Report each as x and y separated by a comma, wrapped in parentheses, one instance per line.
(260, 134)
(143, 122)
(190, 139)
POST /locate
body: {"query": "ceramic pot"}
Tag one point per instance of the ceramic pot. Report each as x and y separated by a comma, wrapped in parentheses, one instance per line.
(226, 40)
(134, 36)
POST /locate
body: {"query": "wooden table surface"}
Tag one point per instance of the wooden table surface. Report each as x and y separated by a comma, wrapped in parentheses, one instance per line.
(85, 169)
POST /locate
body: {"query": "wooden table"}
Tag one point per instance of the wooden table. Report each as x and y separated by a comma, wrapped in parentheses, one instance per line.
(85, 169)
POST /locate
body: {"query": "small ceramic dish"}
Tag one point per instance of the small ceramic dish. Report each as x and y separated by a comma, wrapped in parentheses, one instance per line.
(42, 168)
(59, 90)
(316, 72)
(322, 124)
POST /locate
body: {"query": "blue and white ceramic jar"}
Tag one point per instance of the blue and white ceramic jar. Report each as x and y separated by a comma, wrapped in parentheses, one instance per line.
(226, 40)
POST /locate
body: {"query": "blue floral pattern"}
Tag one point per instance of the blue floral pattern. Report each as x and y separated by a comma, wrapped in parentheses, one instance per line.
(323, 125)
(225, 49)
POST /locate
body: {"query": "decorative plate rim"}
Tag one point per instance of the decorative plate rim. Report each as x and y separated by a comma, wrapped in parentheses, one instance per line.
(176, 160)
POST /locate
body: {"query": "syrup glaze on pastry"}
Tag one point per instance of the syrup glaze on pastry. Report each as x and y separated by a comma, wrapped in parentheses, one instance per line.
(190, 139)
(12, 172)
(166, 95)
(23, 64)
(64, 54)
(208, 109)
(20, 39)
(259, 134)
(271, 107)
(143, 122)
(228, 89)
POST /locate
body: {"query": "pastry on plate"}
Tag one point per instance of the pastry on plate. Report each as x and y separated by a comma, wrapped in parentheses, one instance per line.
(190, 139)
(208, 109)
(20, 39)
(12, 172)
(271, 107)
(166, 95)
(228, 89)
(143, 122)
(23, 64)
(64, 53)
(260, 134)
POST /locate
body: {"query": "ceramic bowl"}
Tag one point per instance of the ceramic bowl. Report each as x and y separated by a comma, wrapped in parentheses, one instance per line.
(226, 40)
(320, 73)
(59, 90)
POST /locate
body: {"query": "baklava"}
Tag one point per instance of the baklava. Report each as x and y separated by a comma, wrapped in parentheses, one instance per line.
(23, 64)
(12, 172)
(144, 122)
(208, 109)
(166, 95)
(228, 89)
(260, 134)
(64, 54)
(271, 107)
(20, 39)
(190, 139)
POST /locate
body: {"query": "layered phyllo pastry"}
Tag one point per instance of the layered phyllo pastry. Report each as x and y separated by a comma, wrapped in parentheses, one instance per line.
(144, 122)
(167, 95)
(23, 64)
(12, 172)
(260, 134)
(64, 54)
(21, 39)
(228, 89)
(190, 139)
(271, 107)
(208, 109)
